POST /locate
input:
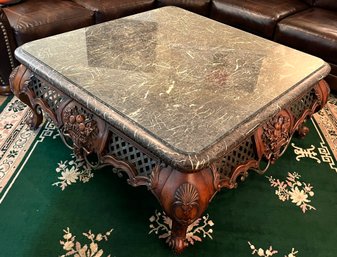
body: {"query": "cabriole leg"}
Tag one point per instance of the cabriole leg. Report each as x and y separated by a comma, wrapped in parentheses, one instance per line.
(184, 197)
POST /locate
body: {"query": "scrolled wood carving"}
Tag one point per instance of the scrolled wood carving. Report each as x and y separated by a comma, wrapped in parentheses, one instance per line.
(322, 91)
(20, 80)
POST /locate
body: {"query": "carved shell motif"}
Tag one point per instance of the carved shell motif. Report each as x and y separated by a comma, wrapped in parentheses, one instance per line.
(186, 205)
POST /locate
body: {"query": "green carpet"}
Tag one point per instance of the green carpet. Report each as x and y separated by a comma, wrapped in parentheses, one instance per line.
(53, 205)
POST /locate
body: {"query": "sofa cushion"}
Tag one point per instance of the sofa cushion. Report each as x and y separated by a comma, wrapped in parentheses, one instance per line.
(256, 16)
(33, 19)
(113, 9)
(327, 4)
(313, 31)
(309, 2)
(198, 6)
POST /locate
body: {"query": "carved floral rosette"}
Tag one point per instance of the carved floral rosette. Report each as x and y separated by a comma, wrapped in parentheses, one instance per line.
(273, 136)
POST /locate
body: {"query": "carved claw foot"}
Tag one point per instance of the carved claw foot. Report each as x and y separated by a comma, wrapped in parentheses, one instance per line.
(184, 197)
(302, 131)
(178, 244)
(178, 237)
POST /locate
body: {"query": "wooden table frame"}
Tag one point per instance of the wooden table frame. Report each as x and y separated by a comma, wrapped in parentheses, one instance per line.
(183, 194)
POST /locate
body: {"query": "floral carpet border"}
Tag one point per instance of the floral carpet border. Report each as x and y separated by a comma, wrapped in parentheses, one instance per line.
(326, 119)
(15, 139)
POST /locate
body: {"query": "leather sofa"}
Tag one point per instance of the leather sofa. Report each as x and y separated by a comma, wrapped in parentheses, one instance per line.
(307, 25)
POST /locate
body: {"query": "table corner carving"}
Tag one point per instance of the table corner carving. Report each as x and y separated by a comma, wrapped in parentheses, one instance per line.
(184, 197)
(81, 128)
(19, 81)
(274, 135)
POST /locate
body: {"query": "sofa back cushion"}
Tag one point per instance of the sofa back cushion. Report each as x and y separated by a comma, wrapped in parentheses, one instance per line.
(326, 4)
(198, 6)
(106, 10)
(309, 2)
(34, 19)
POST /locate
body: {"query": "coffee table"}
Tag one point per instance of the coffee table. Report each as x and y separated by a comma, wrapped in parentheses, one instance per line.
(180, 103)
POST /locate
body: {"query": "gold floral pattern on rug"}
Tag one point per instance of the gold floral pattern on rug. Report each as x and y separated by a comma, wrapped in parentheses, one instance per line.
(161, 225)
(73, 171)
(295, 190)
(74, 247)
(269, 252)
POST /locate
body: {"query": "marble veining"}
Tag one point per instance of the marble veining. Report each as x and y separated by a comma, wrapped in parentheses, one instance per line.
(186, 80)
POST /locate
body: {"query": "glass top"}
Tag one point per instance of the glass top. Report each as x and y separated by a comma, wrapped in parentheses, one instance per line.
(185, 79)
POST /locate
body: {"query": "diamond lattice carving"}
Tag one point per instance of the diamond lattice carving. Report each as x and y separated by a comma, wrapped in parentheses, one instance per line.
(303, 104)
(125, 151)
(50, 96)
(244, 152)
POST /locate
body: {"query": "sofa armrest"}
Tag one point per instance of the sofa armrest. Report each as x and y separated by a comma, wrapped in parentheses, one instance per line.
(7, 47)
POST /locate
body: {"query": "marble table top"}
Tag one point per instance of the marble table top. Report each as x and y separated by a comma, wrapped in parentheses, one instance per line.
(182, 85)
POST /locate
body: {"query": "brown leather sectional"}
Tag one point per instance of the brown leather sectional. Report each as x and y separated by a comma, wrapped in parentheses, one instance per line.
(307, 25)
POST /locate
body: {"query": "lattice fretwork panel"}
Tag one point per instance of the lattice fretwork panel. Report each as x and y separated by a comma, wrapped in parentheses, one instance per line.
(242, 153)
(304, 103)
(46, 93)
(125, 151)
